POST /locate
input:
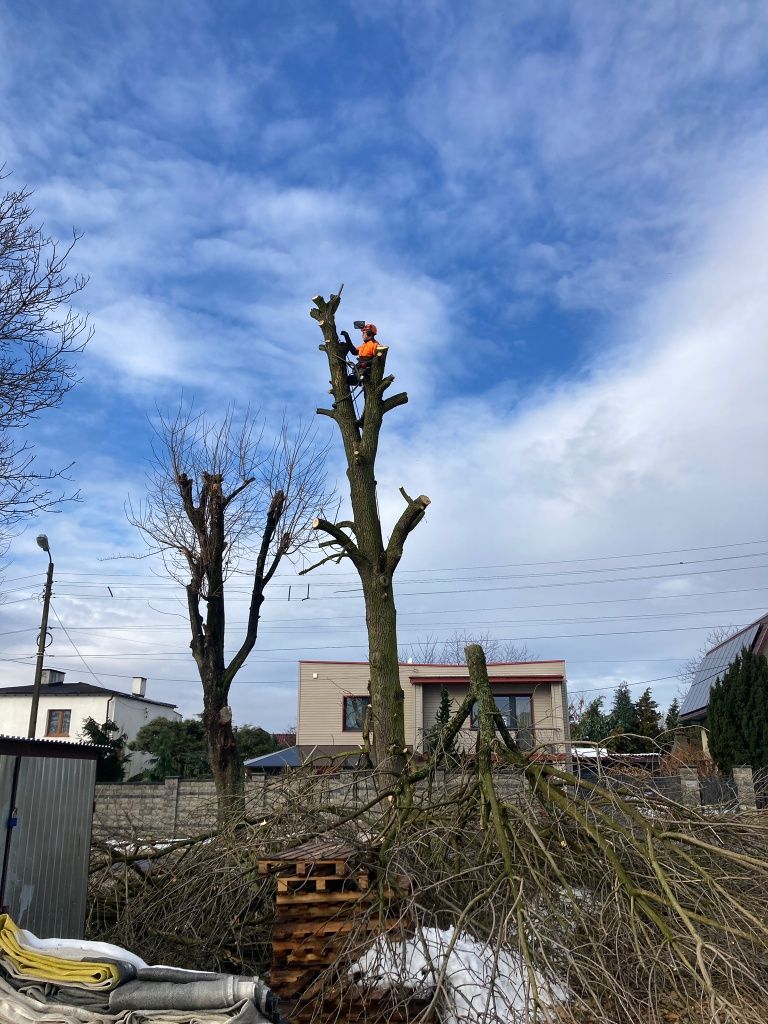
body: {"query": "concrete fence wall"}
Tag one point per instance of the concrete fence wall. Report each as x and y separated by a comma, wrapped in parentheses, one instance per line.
(163, 809)
(180, 807)
(183, 807)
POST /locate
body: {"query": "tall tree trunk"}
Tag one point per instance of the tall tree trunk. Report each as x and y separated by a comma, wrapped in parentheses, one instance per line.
(361, 539)
(387, 697)
(226, 766)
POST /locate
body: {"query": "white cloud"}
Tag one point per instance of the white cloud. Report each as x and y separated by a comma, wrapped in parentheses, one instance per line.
(656, 448)
(578, 165)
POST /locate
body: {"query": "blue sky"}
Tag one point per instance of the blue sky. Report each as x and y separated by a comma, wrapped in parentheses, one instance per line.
(556, 213)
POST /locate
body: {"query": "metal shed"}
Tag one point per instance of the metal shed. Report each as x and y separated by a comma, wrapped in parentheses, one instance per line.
(46, 810)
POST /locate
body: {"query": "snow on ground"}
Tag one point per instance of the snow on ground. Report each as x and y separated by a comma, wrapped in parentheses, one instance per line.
(481, 983)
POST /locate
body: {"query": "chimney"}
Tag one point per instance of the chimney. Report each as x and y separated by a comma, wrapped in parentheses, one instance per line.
(51, 676)
(139, 686)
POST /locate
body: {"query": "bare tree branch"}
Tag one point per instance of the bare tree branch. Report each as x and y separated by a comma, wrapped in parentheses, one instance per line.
(407, 522)
(40, 334)
(219, 493)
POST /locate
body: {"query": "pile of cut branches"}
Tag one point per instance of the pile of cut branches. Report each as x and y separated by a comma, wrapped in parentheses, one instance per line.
(575, 902)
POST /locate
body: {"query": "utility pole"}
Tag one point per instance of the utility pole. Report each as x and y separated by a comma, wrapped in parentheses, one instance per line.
(42, 542)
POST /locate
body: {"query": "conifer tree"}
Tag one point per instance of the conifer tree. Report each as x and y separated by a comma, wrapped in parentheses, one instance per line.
(672, 719)
(648, 720)
(442, 718)
(737, 718)
(623, 720)
(593, 724)
(671, 723)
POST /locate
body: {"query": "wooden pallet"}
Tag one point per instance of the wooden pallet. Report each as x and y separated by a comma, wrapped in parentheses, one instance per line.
(350, 1004)
(313, 882)
(322, 899)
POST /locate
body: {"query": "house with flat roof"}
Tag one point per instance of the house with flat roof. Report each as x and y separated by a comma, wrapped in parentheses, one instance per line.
(333, 697)
(64, 708)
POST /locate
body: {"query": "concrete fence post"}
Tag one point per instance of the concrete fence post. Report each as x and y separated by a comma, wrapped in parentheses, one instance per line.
(171, 804)
(745, 788)
(690, 794)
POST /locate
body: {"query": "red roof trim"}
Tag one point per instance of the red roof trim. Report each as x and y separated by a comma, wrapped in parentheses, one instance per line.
(464, 680)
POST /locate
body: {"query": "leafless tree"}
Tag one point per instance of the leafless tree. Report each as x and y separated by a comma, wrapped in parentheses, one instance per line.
(218, 492)
(40, 334)
(432, 651)
(428, 651)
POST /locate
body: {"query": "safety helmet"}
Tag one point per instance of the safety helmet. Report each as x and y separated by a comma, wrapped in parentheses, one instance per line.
(369, 328)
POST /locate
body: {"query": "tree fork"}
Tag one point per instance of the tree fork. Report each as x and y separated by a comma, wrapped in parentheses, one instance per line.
(374, 561)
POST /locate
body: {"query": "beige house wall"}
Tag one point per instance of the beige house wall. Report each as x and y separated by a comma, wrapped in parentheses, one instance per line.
(323, 686)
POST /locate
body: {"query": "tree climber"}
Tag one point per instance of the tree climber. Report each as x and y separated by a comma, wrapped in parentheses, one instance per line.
(365, 352)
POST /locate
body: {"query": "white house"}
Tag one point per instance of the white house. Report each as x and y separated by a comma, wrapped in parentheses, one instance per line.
(64, 707)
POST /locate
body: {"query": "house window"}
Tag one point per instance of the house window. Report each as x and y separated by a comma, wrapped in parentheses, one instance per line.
(517, 713)
(58, 723)
(354, 713)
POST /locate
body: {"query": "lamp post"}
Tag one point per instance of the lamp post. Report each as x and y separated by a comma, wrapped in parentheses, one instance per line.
(42, 542)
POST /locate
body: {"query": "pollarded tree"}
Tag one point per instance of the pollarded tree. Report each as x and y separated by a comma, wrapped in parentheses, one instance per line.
(218, 493)
(361, 539)
(737, 717)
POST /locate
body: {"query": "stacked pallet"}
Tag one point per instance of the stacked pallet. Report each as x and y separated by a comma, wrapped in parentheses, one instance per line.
(323, 899)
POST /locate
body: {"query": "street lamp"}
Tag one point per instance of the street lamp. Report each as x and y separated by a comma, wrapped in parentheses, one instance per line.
(42, 542)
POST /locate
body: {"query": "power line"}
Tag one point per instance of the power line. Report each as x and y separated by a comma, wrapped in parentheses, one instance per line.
(612, 689)
(267, 627)
(74, 645)
(571, 583)
(594, 558)
(355, 593)
(463, 568)
(339, 647)
(322, 621)
(292, 682)
(333, 582)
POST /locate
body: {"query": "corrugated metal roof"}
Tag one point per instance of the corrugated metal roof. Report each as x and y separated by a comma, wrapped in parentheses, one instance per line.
(715, 663)
(49, 746)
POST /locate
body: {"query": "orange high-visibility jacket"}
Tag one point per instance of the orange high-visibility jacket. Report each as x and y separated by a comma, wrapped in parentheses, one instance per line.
(367, 350)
